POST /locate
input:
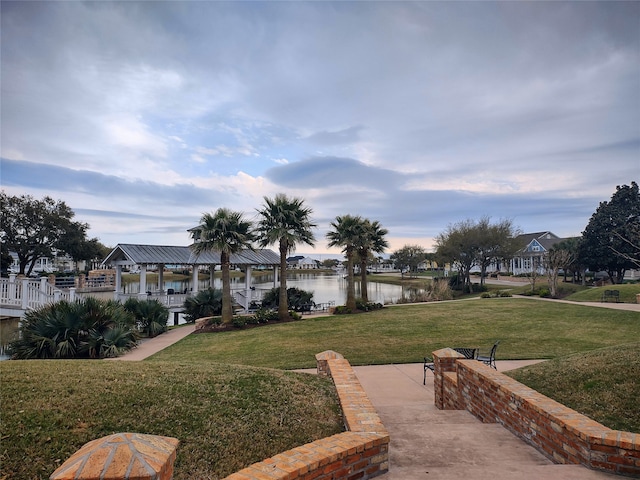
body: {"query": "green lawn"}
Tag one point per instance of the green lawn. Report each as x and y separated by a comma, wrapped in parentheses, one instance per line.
(226, 417)
(207, 391)
(601, 384)
(527, 328)
(628, 292)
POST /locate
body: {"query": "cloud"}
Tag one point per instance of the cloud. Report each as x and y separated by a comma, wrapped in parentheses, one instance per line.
(329, 172)
(417, 114)
(346, 136)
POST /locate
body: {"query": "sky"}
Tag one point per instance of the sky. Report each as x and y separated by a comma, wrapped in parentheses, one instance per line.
(143, 116)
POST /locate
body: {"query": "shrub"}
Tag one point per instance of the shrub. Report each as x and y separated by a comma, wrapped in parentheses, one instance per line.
(496, 294)
(214, 321)
(265, 315)
(150, 315)
(88, 328)
(238, 321)
(414, 296)
(544, 293)
(297, 299)
(341, 310)
(440, 290)
(367, 306)
(206, 303)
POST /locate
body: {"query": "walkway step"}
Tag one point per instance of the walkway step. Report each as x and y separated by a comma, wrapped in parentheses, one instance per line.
(430, 444)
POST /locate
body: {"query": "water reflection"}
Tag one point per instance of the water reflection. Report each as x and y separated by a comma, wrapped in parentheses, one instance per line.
(8, 333)
(326, 287)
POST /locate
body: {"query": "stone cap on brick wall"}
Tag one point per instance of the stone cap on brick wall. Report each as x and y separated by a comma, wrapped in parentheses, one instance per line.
(121, 455)
(328, 355)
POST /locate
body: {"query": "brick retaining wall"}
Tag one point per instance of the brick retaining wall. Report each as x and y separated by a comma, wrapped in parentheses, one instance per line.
(360, 453)
(562, 434)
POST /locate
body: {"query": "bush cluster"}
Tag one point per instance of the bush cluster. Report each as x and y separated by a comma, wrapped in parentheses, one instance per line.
(367, 306)
(261, 317)
(496, 294)
(298, 300)
(87, 328)
(541, 291)
(206, 303)
(151, 316)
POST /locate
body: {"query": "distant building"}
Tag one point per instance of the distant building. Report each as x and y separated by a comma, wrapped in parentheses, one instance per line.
(536, 246)
(302, 263)
(42, 265)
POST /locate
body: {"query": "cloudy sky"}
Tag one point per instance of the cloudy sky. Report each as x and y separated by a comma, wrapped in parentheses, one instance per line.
(142, 116)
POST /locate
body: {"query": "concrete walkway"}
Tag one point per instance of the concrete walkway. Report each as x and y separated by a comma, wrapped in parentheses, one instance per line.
(149, 346)
(430, 444)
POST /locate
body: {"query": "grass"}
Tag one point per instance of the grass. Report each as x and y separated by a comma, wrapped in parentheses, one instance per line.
(527, 328)
(583, 382)
(208, 391)
(628, 292)
(226, 417)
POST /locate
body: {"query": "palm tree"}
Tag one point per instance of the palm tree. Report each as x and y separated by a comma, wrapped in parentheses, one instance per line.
(346, 233)
(285, 221)
(226, 232)
(371, 241)
(86, 328)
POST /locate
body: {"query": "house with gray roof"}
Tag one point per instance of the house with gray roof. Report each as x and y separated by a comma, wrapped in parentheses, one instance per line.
(531, 255)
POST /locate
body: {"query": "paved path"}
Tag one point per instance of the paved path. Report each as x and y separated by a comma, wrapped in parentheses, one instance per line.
(432, 444)
(148, 347)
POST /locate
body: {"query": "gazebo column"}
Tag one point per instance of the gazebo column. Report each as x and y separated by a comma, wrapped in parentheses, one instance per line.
(275, 277)
(118, 280)
(194, 280)
(161, 277)
(143, 281)
(247, 288)
(212, 272)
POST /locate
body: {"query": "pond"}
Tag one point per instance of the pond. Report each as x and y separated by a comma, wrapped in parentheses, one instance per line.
(326, 287)
(8, 333)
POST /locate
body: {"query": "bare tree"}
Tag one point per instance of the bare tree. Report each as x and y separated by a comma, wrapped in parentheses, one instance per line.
(553, 261)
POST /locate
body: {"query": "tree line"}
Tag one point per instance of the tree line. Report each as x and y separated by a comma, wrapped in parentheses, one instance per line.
(33, 228)
(610, 242)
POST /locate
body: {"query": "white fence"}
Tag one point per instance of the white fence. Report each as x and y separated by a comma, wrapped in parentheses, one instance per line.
(27, 293)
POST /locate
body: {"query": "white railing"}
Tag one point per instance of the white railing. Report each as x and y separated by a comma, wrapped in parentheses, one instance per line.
(27, 293)
(172, 300)
(255, 295)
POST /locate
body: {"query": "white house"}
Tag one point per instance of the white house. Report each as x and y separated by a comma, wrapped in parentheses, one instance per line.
(302, 263)
(531, 256)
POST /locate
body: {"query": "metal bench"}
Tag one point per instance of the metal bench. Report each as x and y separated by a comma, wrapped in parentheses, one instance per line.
(609, 295)
(470, 353)
(490, 358)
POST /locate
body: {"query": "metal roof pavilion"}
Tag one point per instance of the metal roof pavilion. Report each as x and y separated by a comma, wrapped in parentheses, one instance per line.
(129, 253)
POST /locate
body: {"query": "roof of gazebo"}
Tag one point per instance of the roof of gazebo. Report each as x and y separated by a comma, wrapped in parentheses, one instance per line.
(129, 253)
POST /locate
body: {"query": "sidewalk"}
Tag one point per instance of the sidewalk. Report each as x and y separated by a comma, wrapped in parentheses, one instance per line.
(149, 346)
(432, 444)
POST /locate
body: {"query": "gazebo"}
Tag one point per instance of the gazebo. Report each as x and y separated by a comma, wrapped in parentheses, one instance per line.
(146, 256)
